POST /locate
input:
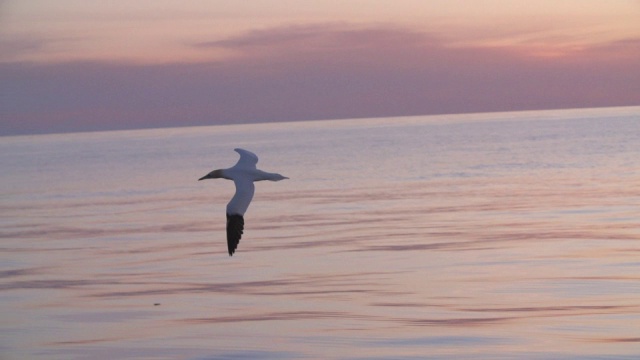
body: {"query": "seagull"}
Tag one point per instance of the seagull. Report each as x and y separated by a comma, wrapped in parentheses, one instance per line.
(243, 174)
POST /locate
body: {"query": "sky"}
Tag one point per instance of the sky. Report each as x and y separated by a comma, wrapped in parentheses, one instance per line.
(77, 65)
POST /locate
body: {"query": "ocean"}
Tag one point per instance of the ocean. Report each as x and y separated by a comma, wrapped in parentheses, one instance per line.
(478, 236)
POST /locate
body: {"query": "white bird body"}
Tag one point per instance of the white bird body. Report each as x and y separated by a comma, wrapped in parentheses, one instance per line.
(243, 174)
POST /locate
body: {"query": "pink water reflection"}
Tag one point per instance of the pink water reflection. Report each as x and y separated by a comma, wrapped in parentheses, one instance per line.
(530, 262)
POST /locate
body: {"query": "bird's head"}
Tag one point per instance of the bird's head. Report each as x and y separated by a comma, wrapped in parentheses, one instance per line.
(215, 174)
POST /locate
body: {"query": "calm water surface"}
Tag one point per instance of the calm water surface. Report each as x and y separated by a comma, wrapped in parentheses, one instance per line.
(487, 236)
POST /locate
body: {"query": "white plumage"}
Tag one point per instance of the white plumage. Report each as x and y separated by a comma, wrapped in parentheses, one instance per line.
(243, 174)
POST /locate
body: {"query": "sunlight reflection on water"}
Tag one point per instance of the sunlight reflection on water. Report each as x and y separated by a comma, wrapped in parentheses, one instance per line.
(394, 239)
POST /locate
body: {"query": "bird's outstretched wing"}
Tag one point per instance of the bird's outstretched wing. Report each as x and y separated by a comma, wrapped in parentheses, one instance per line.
(247, 159)
(235, 227)
(242, 198)
(235, 212)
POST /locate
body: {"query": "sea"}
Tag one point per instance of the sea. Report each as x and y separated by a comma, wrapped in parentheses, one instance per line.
(476, 236)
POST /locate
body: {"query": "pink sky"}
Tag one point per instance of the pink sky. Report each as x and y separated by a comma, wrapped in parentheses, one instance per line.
(74, 65)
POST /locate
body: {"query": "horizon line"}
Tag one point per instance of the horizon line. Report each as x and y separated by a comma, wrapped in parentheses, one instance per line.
(464, 117)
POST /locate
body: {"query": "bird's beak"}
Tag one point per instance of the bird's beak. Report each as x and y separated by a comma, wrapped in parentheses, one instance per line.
(215, 174)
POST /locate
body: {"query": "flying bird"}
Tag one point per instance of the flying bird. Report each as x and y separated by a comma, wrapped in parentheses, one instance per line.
(243, 174)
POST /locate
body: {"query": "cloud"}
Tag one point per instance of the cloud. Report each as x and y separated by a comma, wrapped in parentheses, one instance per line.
(24, 46)
(336, 46)
(626, 48)
(333, 38)
(319, 71)
(13, 48)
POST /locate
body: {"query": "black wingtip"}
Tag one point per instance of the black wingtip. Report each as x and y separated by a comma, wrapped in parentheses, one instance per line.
(235, 227)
